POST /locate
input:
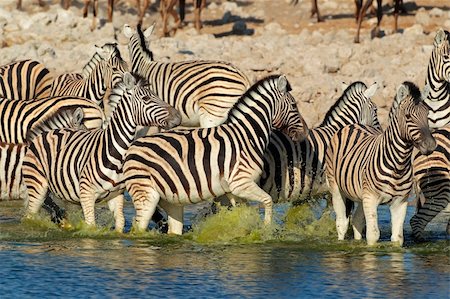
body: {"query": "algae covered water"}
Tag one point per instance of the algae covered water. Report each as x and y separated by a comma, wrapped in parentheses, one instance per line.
(228, 255)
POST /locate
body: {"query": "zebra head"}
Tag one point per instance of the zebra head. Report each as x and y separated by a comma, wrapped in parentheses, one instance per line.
(439, 68)
(139, 42)
(287, 118)
(148, 108)
(353, 106)
(412, 115)
(112, 65)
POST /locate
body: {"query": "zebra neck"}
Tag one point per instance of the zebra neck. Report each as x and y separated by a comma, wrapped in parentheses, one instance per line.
(251, 122)
(396, 153)
(138, 52)
(96, 83)
(120, 131)
(438, 100)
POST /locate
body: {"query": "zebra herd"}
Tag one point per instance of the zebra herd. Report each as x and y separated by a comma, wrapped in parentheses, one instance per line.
(74, 137)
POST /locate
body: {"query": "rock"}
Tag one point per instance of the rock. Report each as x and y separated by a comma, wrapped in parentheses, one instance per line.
(416, 29)
(422, 17)
(436, 12)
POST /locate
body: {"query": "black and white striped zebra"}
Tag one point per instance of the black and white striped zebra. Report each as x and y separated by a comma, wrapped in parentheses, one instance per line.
(25, 80)
(21, 121)
(96, 78)
(432, 173)
(373, 167)
(295, 170)
(432, 182)
(438, 78)
(85, 167)
(181, 167)
(202, 91)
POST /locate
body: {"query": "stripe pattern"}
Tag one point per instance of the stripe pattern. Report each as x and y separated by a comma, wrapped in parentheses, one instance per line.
(438, 78)
(370, 167)
(85, 166)
(192, 87)
(21, 121)
(25, 80)
(99, 77)
(295, 170)
(188, 166)
(431, 173)
(432, 182)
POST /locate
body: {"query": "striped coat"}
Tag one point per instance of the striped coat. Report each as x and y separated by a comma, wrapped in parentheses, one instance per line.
(367, 166)
(203, 91)
(21, 121)
(25, 80)
(295, 170)
(188, 166)
(85, 167)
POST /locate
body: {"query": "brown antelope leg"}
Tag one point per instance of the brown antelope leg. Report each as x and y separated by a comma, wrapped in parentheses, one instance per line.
(315, 10)
(198, 5)
(362, 13)
(396, 12)
(379, 17)
(94, 19)
(358, 4)
(86, 7)
(19, 4)
(163, 12)
(110, 10)
(66, 4)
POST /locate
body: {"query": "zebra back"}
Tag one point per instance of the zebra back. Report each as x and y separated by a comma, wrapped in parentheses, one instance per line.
(432, 182)
(295, 170)
(20, 121)
(438, 78)
(203, 91)
(25, 80)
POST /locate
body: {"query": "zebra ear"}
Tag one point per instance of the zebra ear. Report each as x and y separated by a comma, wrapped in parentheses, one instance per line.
(282, 84)
(425, 92)
(440, 37)
(148, 32)
(78, 116)
(344, 86)
(127, 30)
(370, 92)
(402, 93)
(128, 80)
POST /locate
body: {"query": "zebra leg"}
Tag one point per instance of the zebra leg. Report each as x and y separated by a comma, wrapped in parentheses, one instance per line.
(425, 213)
(175, 214)
(398, 214)
(251, 191)
(145, 202)
(370, 205)
(339, 207)
(359, 222)
(115, 205)
(87, 201)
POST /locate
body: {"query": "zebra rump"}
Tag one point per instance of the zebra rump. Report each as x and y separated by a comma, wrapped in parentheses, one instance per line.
(25, 80)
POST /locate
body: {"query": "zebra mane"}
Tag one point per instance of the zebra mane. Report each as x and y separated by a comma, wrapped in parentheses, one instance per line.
(355, 87)
(118, 91)
(254, 87)
(143, 42)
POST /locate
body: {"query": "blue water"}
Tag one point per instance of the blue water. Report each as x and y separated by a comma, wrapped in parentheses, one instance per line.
(45, 262)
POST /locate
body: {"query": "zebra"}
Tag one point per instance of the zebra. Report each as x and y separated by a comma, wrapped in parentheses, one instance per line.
(438, 78)
(98, 78)
(21, 121)
(432, 181)
(84, 167)
(192, 87)
(373, 167)
(188, 166)
(25, 80)
(431, 173)
(295, 170)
